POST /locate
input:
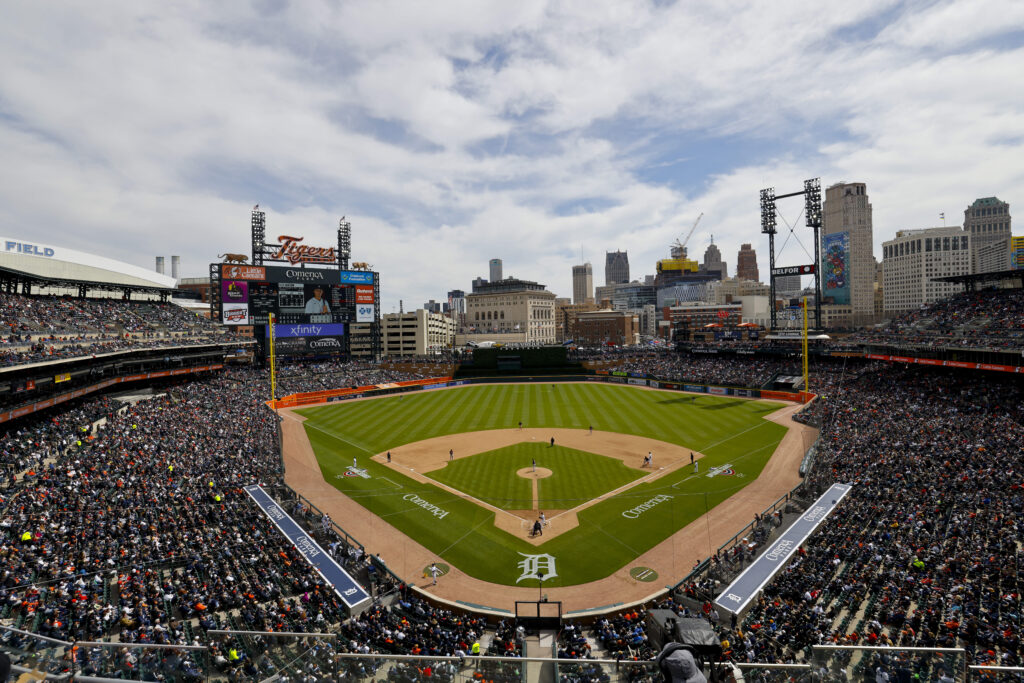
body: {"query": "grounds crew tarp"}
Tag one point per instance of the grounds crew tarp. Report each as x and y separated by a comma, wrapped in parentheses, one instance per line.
(344, 585)
(747, 585)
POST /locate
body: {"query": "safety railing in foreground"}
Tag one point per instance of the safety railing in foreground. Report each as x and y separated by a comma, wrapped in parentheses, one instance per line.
(258, 656)
(863, 662)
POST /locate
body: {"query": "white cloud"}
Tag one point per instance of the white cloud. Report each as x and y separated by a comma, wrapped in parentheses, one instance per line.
(454, 132)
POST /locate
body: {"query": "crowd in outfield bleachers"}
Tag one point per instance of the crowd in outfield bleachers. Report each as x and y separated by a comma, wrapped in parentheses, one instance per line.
(130, 522)
(987, 318)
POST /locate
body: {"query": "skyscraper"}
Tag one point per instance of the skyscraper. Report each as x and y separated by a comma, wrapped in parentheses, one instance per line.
(987, 220)
(582, 283)
(713, 262)
(847, 254)
(746, 263)
(496, 270)
(616, 267)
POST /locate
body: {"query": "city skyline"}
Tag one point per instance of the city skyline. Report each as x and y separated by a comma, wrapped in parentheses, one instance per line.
(519, 130)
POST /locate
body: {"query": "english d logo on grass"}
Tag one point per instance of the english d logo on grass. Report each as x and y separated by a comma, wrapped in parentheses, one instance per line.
(537, 566)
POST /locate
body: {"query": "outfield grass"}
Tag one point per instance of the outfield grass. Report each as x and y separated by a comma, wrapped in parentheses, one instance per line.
(727, 430)
(576, 476)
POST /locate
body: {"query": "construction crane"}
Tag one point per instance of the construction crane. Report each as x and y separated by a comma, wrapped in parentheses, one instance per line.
(679, 248)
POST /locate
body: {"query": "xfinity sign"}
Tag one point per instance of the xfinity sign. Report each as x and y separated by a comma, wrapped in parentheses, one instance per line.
(308, 330)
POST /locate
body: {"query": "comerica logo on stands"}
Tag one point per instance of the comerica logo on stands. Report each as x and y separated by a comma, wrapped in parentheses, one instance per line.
(26, 248)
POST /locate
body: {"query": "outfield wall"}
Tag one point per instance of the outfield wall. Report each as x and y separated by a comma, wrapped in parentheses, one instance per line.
(610, 377)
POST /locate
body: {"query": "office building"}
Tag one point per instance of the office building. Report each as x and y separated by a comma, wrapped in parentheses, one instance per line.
(607, 328)
(746, 263)
(787, 284)
(416, 333)
(511, 311)
(457, 307)
(848, 262)
(987, 221)
(616, 267)
(912, 261)
(495, 267)
(582, 283)
(713, 263)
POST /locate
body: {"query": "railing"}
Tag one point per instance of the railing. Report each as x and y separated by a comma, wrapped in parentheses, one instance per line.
(265, 655)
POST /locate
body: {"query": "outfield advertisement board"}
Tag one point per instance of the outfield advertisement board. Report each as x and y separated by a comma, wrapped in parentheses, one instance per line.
(946, 363)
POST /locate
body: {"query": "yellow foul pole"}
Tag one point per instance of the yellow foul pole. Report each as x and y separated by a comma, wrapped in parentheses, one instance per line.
(273, 365)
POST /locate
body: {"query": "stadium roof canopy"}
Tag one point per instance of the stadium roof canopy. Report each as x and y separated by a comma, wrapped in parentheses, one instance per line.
(24, 265)
(971, 281)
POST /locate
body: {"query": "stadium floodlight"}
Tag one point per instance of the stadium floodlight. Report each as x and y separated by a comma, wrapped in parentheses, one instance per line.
(768, 221)
(812, 202)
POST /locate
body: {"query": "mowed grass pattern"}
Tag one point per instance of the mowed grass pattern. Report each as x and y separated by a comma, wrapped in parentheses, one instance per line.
(727, 430)
(576, 476)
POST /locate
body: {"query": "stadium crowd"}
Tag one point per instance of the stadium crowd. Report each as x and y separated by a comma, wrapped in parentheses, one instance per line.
(41, 328)
(987, 318)
(131, 523)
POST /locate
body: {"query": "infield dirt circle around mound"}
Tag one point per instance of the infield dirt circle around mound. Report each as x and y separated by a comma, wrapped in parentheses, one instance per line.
(672, 558)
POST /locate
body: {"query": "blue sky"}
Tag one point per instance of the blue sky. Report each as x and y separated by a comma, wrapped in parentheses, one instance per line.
(450, 133)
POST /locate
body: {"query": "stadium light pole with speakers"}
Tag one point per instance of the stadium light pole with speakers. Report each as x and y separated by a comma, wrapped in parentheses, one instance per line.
(813, 212)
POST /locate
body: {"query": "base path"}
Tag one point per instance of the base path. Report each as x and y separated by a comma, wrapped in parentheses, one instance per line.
(673, 558)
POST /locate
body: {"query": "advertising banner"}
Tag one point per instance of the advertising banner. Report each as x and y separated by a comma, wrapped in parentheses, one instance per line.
(364, 294)
(695, 387)
(365, 313)
(234, 291)
(356, 277)
(835, 267)
(313, 330)
(228, 272)
(718, 391)
(309, 345)
(235, 314)
(637, 382)
(1017, 253)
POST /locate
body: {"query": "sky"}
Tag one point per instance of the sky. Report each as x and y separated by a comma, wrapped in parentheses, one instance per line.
(452, 132)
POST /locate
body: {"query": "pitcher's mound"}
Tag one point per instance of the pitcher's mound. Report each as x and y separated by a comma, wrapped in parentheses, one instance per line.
(529, 473)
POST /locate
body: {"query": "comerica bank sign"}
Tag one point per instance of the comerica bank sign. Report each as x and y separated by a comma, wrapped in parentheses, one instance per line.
(26, 248)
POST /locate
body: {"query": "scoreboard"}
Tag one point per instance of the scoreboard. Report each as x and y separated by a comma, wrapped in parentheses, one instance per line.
(249, 294)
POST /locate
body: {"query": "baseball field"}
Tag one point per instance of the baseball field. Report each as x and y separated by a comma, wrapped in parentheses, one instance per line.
(467, 482)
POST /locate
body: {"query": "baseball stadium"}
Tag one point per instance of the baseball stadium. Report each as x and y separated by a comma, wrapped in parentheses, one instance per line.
(244, 495)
